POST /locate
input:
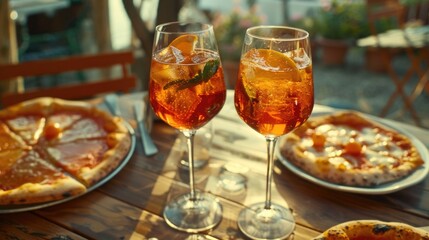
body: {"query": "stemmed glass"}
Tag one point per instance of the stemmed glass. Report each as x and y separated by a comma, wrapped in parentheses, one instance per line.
(186, 90)
(273, 95)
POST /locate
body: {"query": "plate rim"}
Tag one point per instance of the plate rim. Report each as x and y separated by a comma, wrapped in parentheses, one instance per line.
(417, 176)
(36, 206)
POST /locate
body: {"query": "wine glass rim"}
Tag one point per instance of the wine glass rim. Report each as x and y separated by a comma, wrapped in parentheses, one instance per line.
(249, 30)
(204, 27)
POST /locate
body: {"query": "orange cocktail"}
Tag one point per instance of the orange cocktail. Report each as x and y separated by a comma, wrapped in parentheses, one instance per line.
(274, 90)
(273, 95)
(188, 92)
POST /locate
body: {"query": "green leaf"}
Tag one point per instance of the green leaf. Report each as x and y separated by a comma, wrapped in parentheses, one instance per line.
(210, 69)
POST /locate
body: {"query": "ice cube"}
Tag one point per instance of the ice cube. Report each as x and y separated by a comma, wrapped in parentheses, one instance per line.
(172, 55)
(166, 56)
(178, 56)
(199, 57)
(183, 103)
(300, 57)
(164, 73)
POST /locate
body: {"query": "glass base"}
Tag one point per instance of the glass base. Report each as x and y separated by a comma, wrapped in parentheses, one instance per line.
(232, 177)
(198, 164)
(257, 222)
(195, 216)
(200, 237)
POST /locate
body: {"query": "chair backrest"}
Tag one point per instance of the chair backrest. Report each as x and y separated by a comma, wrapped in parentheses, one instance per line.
(86, 89)
(384, 14)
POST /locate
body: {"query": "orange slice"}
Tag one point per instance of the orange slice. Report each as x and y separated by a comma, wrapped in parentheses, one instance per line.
(275, 59)
(267, 64)
(185, 43)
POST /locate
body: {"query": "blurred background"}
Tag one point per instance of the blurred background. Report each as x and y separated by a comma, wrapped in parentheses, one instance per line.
(360, 78)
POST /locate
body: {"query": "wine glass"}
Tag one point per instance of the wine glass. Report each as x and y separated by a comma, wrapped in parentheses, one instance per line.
(273, 95)
(186, 90)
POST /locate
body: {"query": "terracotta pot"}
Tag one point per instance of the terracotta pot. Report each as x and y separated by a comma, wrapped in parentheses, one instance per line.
(230, 70)
(334, 52)
(377, 60)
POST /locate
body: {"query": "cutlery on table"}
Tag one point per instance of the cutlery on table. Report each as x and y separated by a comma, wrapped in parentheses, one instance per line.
(149, 147)
(111, 101)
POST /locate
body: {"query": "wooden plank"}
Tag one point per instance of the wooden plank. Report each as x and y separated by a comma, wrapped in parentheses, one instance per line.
(74, 92)
(64, 64)
(153, 191)
(30, 226)
(102, 61)
(98, 216)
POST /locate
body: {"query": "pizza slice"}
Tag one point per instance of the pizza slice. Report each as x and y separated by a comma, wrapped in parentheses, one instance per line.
(63, 120)
(84, 128)
(26, 178)
(89, 160)
(9, 140)
(73, 121)
(29, 127)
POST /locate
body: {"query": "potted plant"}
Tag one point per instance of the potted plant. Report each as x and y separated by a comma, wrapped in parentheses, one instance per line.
(308, 23)
(338, 26)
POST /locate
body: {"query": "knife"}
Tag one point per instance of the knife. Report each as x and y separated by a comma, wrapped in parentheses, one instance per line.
(111, 101)
(149, 147)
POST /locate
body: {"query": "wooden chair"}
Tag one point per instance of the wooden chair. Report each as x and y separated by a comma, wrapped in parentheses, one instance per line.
(74, 91)
(388, 10)
(382, 15)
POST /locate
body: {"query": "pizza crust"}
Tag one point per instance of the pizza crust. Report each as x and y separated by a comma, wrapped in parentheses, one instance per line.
(330, 162)
(373, 230)
(35, 192)
(38, 105)
(110, 161)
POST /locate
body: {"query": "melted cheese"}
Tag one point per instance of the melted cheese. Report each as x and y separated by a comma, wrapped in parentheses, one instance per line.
(29, 169)
(28, 127)
(85, 128)
(378, 148)
(76, 155)
(65, 120)
(9, 140)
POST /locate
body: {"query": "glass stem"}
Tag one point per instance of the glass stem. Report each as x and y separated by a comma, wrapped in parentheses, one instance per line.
(190, 134)
(271, 144)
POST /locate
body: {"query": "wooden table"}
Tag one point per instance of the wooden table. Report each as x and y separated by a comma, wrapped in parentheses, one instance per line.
(130, 205)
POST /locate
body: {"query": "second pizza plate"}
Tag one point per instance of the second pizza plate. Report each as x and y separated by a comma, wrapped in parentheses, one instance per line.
(386, 188)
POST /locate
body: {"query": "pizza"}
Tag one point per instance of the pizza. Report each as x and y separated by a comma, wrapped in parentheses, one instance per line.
(51, 149)
(350, 149)
(373, 230)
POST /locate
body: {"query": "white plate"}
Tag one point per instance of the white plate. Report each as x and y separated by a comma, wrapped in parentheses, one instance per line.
(390, 187)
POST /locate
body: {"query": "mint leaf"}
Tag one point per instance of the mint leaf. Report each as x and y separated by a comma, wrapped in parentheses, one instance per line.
(210, 69)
